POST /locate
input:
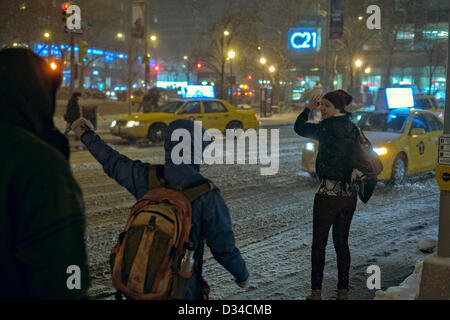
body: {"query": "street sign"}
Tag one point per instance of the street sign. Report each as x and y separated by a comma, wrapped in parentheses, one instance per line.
(444, 150)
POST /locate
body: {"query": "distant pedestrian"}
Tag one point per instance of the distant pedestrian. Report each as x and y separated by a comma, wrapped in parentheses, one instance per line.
(335, 200)
(42, 222)
(150, 101)
(211, 221)
(155, 95)
(72, 111)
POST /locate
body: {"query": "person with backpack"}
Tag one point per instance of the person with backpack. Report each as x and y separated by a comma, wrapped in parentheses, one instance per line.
(164, 193)
(42, 221)
(335, 200)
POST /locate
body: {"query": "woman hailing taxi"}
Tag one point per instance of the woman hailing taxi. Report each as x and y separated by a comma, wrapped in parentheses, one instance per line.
(335, 201)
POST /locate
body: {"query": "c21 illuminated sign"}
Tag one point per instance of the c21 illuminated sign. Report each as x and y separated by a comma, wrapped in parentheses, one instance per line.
(304, 39)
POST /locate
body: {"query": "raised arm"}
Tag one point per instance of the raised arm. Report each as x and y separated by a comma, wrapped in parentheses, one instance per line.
(304, 128)
(131, 174)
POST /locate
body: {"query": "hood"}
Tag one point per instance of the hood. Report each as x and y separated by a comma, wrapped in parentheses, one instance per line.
(27, 95)
(380, 137)
(27, 91)
(190, 136)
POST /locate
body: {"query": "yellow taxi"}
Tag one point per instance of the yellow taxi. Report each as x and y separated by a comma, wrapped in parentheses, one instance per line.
(406, 141)
(213, 113)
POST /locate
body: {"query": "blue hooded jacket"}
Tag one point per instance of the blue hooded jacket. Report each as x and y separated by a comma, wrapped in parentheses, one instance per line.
(210, 216)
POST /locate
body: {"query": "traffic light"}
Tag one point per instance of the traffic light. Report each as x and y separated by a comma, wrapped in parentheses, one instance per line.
(157, 68)
(199, 65)
(146, 59)
(249, 77)
(64, 7)
(82, 52)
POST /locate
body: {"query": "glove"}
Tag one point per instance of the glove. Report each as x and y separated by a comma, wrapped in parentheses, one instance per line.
(242, 284)
(80, 126)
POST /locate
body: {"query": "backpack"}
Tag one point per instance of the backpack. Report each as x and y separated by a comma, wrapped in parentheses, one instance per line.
(146, 263)
(366, 167)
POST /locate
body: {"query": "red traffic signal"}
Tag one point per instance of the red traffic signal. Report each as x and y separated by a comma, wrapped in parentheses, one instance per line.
(156, 68)
(199, 65)
(65, 6)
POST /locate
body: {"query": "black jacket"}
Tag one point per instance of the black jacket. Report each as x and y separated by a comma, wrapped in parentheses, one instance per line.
(42, 221)
(337, 137)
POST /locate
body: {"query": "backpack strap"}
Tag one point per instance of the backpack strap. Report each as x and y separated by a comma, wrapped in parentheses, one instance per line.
(155, 176)
(198, 189)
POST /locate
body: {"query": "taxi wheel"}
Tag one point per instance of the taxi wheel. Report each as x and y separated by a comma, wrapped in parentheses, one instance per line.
(399, 169)
(235, 125)
(156, 132)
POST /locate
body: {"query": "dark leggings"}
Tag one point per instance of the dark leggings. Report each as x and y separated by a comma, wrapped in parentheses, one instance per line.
(337, 212)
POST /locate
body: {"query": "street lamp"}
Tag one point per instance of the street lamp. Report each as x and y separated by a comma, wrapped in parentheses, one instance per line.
(357, 89)
(153, 37)
(119, 35)
(272, 69)
(47, 38)
(223, 59)
(231, 55)
(263, 96)
(368, 70)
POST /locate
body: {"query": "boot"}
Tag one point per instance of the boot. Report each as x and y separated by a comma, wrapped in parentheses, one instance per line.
(342, 294)
(315, 295)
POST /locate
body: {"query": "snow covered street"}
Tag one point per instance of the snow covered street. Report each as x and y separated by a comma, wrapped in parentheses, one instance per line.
(272, 221)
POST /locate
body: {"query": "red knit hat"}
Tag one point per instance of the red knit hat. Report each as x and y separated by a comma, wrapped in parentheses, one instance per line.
(339, 98)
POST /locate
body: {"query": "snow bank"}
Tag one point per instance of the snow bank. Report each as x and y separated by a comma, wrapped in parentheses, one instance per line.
(407, 290)
(427, 245)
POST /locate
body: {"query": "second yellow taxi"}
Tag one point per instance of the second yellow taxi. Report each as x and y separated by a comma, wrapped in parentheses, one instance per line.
(406, 141)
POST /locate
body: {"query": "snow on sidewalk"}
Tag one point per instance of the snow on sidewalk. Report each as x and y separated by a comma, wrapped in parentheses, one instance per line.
(407, 290)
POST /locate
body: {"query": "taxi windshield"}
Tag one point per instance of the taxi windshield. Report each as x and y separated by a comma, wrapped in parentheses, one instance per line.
(169, 107)
(384, 122)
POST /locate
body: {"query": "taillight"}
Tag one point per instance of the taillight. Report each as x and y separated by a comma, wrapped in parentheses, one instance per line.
(256, 116)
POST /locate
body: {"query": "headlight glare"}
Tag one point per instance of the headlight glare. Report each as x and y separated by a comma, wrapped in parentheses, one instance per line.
(380, 151)
(310, 146)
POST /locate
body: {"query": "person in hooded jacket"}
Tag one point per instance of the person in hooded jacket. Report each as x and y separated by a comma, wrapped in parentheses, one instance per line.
(210, 216)
(42, 221)
(335, 200)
